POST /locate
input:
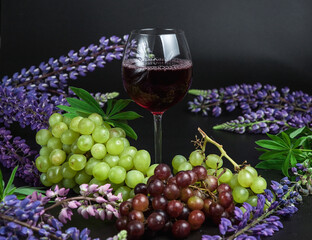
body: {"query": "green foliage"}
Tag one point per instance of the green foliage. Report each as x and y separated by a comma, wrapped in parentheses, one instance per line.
(112, 115)
(285, 150)
(10, 189)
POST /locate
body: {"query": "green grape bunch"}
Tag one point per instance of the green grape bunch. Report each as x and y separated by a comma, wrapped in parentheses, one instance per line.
(88, 150)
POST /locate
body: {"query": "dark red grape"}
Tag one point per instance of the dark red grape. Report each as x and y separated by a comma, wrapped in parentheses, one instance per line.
(196, 219)
(140, 202)
(215, 209)
(174, 208)
(159, 202)
(181, 229)
(172, 180)
(156, 187)
(162, 171)
(217, 219)
(167, 227)
(207, 202)
(171, 192)
(185, 213)
(186, 193)
(199, 194)
(183, 179)
(121, 223)
(195, 203)
(223, 187)
(155, 221)
(140, 188)
(125, 208)
(135, 229)
(193, 176)
(211, 182)
(230, 208)
(151, 179)
(163, 213)
(136, 215)
(225, 199)
(201, 172)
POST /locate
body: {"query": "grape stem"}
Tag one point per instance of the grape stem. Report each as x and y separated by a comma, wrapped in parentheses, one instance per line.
(211, 194)
(220, 147)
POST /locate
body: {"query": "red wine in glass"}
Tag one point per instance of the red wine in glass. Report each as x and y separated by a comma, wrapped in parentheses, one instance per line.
(157, 72)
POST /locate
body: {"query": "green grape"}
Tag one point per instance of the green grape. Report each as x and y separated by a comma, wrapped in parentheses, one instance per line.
(131, 151)
(74, 149)
(42, 136)
(226, 176)
(185, 166)
(133, 178)
(125, 192)
(240, 194)
(98, 151)
(211, 171)
(177, 161)
(54, 143)
(115, 186)
(67, 148)
(43, 163)
(67, 171)
(77, 162)
(100, 171)
(145, 180)
(67, 120)
(245, 178)
(82, 177)
(90, 165)
(214, 161)
(58, 129)
(74, 123)
(55, 118)
(69, 183)
(252, 200)
(57, 157)
(126, 162)
(196, 157)
(258, 185)
(105, 124)
(117, 174)
(44, 180)
(97, 182)
(111, 160)
(100, 134)
(251, 193)
(54, 174)
(126, 142)
(131, 194)
(234, 181)
(116, 132)
(85, 142)
(76, 189)
(142, 160)
(45, 151)
(69, 137)
(174, 171)
(252, 170)
(96, 118)
(115, 146)
(205, 165)
(86, 126)
(151, 169)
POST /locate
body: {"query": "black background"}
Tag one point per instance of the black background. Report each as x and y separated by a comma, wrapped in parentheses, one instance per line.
(231, 41)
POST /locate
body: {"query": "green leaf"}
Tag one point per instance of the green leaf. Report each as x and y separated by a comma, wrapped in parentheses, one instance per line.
(286, 139)
(84, 95)
(1, 185)
(67, 108)
(293, 160)
(299, 142)
(119, 105)
(307, 143)
(270, 144)
(109, 105)
(70, 115)
(27, 190)
(277, 139)
(270, 164)
(11, 191)
(297, 132)
(285, 166)
(271, 155)
(130, 115)
(129, 131)
(8, 186)
(82, 106)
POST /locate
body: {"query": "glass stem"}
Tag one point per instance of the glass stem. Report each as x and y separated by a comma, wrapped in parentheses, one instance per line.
(157, 137)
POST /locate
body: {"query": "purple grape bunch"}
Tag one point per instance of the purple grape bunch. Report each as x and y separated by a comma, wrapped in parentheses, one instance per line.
(264, 109)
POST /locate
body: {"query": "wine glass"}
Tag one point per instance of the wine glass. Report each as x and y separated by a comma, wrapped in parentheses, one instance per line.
(157, 73)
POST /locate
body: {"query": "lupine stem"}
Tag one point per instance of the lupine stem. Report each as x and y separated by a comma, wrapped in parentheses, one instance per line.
(220, 147)
(11, 219)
